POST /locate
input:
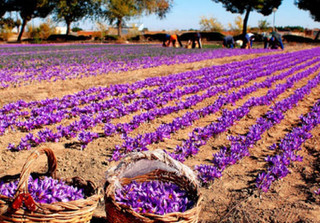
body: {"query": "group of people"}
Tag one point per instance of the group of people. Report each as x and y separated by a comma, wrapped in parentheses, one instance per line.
(271, 41)
(174, 39)
(245, 42)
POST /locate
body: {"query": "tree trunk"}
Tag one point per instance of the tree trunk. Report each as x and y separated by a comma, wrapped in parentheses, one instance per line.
(119, 23)
(24, 23)
(245, 20)
(68, 27)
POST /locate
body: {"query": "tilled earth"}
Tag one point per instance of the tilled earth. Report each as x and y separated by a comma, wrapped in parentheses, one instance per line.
(232, 198)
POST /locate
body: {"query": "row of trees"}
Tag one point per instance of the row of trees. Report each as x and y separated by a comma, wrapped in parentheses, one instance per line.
(117, 11)
(211, 24)
(265, 7)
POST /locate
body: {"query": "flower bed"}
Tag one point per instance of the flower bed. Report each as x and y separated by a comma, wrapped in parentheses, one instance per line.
(24, 64)
(92, 110)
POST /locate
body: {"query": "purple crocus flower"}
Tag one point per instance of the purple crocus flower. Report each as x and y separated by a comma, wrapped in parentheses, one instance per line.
(154, 197)
(46, 190)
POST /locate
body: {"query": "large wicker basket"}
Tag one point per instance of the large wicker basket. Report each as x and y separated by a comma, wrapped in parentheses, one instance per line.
(73, 211)
(148, 166)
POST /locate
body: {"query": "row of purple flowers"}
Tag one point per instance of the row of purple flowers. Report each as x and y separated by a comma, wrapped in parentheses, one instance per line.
(240, 144)
(189, 147)
(51, 111)
(287, 149)
(27, 63)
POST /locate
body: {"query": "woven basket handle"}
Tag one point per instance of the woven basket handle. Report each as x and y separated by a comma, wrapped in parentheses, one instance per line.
(26, 169)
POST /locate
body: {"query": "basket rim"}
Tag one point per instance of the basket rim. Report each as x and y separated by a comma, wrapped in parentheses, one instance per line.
(113, 173)
(110, 197)
(93, 197)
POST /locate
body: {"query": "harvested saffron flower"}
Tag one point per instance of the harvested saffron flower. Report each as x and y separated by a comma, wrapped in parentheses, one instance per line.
(154, 197)
(46, 190)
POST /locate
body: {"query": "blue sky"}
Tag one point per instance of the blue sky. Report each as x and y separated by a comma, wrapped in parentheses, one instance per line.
(186, 14)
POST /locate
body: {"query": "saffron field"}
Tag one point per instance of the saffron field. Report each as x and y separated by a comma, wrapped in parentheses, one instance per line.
(246, 121)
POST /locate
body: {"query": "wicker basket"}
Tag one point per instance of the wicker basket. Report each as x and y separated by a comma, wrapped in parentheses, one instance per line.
(73, 211)
(149, 166)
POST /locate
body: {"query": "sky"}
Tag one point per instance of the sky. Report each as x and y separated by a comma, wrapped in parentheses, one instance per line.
(186, 14)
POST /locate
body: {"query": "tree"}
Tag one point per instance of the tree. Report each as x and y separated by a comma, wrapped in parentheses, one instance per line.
(313, 7)
(76, 29)
(3, 9)
(238, 26)
(263, 25)
(210, 24)
(246, 6)
(74, 10)
(46, 29)
(6, 6)
(29, 9)
(6, 26)
(103, 30)
(9, 22)
(117, 11)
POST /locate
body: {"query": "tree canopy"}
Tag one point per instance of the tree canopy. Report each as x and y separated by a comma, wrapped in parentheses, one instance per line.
(6, 6)
(29, 9)
(2, 7)
(246, 6)
(117, 11)
(210, 24)
(263, 25)
(313, 6)
(9, 22)
(74, 10)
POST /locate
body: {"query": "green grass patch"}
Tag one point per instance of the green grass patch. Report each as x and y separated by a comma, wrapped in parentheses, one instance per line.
(211, 46)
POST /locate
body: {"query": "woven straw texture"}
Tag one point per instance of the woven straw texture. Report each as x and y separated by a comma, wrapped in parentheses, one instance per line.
(164, 169)
(73, 211)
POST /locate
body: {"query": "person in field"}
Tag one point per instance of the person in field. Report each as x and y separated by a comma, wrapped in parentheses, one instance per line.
(228, 42)
(266, 38)
(247, 41)
(275, 41)
(174, 39)
(196, 40)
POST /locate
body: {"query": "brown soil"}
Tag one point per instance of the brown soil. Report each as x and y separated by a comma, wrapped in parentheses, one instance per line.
(232, 198)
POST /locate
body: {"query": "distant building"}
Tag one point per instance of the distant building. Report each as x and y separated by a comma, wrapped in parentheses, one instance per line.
(126, 29)
(60, 30)
(89, 33)
(311, 32)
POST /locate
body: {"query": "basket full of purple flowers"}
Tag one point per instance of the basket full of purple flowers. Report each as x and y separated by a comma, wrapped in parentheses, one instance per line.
(42, 197)
(151, 187)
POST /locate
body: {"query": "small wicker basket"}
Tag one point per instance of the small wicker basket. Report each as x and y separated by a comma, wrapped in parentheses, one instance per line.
(149, 166)
(73, 211)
